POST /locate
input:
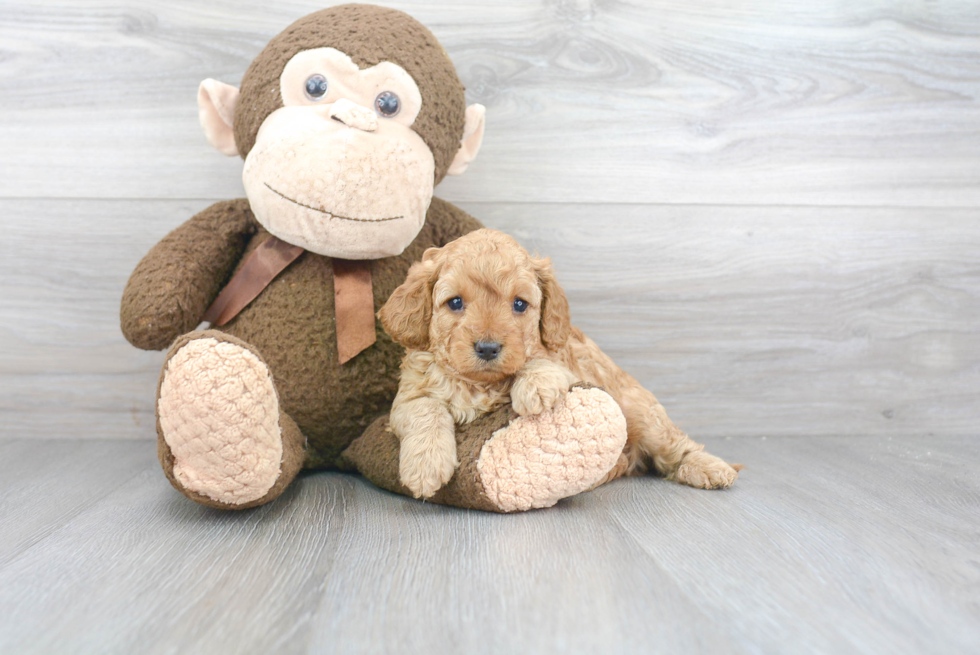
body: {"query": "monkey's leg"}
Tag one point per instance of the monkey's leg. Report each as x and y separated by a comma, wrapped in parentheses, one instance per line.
(223, 439)
(512, 463)
(654, 437)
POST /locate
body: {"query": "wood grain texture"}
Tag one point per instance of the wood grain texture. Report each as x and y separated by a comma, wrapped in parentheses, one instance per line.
(743, 320)
(44, 484)
(871, 541)
(824, 545)
(776, 320)
(663, 101)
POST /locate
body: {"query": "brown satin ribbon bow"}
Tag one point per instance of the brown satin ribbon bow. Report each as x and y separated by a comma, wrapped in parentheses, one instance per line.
(353, 293)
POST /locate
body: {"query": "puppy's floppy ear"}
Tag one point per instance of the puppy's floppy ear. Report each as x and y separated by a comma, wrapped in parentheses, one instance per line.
(408, 312)
(556, 322)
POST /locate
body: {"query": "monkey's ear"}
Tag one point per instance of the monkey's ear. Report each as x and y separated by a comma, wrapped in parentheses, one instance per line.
(408, 312)
(472, 138)
(556, 320)
(216, 107)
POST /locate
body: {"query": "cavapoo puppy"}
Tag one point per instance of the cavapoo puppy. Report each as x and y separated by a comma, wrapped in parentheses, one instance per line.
(485, 323)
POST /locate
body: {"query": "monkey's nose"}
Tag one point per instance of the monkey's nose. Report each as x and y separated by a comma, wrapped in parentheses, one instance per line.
(487, 350)
(353, 115)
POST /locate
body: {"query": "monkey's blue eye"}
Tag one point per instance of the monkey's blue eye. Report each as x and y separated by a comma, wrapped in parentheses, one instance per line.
(520, 305)
(455, 304)
(387, 104)
(316, 87)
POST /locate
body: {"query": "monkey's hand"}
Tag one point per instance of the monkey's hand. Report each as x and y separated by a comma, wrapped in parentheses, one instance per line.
(175, 282)
(539, 385)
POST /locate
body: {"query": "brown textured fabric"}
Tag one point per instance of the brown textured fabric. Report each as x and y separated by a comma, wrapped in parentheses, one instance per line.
(353, 299)
(293, 442)
(258, 270)
(333, 404)
(176, 281)
(291, 322)
(369, 35)
(375, 455)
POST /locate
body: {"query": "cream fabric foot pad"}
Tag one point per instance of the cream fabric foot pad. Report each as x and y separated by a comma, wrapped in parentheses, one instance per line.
(538, 460)
(219, 414)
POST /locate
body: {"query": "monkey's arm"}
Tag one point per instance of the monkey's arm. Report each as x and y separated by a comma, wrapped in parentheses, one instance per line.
(175, 282)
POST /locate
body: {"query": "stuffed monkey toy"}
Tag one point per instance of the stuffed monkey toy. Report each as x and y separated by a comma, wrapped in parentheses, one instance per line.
(346, 121)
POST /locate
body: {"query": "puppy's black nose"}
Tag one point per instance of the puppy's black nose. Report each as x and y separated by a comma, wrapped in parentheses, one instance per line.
(487, 350)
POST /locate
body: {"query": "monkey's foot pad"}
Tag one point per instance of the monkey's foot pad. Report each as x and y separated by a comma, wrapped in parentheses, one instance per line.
(538, 460)
(219, 415)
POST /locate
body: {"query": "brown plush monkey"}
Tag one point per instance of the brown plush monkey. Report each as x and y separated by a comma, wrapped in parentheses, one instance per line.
(346, 121)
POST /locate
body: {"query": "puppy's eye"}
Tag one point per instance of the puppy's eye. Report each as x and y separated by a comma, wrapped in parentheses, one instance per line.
(455, 304)
(520, 305)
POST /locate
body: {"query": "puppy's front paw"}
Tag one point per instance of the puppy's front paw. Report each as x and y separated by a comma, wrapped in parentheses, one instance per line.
(427, 462)
(705, 471)
(529, 400)
(539, 386)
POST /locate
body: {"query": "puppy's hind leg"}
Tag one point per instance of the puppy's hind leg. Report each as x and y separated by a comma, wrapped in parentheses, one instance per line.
(653, 437)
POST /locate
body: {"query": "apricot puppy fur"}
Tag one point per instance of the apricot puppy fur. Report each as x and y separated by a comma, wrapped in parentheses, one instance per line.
(485, 323)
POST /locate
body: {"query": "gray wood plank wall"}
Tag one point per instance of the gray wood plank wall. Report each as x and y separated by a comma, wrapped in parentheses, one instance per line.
(767, 212)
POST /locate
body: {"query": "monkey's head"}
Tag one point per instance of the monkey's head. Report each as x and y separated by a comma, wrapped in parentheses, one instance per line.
(346, 121)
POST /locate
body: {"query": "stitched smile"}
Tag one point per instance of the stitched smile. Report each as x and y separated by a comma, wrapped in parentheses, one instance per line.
(331, 214)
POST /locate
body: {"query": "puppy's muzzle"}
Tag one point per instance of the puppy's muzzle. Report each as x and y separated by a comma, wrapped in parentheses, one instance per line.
(487, 350)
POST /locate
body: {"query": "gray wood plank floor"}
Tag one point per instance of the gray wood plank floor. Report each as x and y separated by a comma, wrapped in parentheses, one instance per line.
(825, 545)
